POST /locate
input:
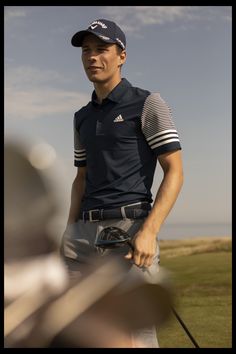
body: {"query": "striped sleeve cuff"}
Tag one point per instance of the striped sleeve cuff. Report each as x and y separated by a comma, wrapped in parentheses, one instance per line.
(165, 141)
(162, 138)
(80, 157)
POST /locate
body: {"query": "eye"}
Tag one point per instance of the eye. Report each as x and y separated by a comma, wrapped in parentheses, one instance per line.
(85, 50)
(102, 49)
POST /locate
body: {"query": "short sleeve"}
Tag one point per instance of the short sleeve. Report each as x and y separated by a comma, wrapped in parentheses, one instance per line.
(79, 151)
(157, 125)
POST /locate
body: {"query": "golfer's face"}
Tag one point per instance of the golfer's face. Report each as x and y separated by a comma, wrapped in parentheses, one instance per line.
(101, 60)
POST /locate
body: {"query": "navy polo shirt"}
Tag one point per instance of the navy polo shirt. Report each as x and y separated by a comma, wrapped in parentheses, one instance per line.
(119, 141)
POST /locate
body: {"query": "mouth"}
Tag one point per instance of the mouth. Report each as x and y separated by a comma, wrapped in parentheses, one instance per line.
(93, 68)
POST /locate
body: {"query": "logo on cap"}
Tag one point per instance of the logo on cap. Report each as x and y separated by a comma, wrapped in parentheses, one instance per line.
(94, 24)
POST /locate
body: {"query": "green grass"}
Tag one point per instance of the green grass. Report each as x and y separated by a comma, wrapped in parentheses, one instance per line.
(202, 284)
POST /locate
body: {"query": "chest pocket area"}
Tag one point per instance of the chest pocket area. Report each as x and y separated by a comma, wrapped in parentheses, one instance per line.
(118, 133)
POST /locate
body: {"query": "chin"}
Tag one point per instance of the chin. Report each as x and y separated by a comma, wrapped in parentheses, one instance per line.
(94, 79)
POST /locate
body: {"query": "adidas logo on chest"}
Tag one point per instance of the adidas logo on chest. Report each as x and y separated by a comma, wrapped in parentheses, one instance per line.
(118, 119)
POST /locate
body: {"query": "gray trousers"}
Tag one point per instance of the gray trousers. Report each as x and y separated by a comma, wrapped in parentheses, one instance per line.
(77, 249)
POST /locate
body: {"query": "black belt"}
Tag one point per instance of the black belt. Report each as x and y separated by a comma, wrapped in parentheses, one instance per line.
(131, 211)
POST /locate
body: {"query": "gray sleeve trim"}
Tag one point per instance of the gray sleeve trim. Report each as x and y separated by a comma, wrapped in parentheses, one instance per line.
(157, 124)
(79, 151)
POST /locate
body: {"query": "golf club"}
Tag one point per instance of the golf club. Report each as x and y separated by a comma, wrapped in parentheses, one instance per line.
(114, 237)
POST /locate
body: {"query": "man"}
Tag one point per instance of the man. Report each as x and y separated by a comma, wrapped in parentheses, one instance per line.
(119, 136)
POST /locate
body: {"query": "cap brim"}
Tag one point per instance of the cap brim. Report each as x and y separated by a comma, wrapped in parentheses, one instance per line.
(77, 39)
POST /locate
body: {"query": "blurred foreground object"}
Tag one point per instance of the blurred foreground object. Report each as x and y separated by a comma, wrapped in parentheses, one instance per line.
(42, 308)
(33, 270)
(100, 309)
(29, 207)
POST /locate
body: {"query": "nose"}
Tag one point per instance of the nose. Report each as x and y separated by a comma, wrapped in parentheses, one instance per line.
(91, 55)
(92, 59)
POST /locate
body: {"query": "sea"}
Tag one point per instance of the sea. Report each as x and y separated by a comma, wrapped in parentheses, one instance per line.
(184, 231)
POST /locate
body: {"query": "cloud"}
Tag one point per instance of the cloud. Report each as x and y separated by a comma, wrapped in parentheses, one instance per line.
(14, 12)
(37, 103)
(31, 93)
(11, 12)
(134, 18)
(28, 76)
(162, 14)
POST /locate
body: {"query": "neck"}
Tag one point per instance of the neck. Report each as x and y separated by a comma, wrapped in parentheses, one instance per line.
(104, 88)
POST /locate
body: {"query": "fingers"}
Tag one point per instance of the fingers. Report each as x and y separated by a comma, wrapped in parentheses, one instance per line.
(140, 259)
(129, 255)
(143, 260)
(149, 261)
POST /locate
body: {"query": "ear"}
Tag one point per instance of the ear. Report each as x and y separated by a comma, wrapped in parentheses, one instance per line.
(122, 57)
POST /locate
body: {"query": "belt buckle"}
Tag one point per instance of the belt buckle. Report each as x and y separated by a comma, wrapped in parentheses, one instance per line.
(123, 213)
(122, 209)
(126, 206)
(91, 216)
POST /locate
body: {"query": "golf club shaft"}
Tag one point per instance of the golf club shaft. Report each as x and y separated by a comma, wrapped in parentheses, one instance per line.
(183, 324)
(185, 328)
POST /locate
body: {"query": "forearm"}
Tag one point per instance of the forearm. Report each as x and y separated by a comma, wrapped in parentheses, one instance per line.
(166, 196)
(77, 192)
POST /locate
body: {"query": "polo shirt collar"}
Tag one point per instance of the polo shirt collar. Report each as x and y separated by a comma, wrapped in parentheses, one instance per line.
(116, 94)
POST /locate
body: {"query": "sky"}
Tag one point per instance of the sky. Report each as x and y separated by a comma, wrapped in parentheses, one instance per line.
(182, 52)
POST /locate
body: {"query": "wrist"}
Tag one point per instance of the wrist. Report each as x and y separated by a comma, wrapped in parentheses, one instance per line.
(151, 228)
